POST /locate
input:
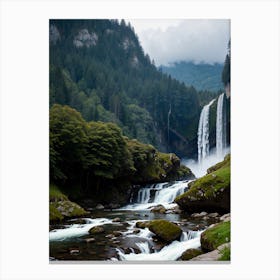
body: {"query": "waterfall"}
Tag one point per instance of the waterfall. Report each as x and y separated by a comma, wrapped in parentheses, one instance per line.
(156, 194)
(220, 127)
(203, 133)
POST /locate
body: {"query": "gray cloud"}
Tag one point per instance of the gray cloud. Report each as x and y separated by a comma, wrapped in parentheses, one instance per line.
(168, 41)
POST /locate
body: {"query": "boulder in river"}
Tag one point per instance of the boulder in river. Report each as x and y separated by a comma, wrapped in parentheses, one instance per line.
(165, 230)
(142, 224)
(116, 220)
(159, 209)
(190, 253)
(96, 230)
(99, 207)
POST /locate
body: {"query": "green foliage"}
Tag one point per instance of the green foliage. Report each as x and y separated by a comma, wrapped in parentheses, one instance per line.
(225, 254)
(94, 158)
(213, 237)
(68, 141)
(114, 81)
(55, 194)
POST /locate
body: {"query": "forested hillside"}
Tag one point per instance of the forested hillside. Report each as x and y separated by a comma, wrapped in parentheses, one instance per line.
(99, 68)
(202, 76)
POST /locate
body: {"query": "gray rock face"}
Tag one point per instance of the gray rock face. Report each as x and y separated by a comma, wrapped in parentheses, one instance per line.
(54, 34)
(85, 39)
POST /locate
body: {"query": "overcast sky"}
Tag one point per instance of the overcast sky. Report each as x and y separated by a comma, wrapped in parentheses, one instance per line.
(198, 40)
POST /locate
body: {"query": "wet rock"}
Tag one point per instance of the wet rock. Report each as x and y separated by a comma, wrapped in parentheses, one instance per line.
(159, 209)
(158, 245)
(225, 218)
(117, 233)
(136, 231)
(89, 240)
(127, 250)
(142, 224)
(116, 220)
(75, 252)
(213, 215)
(199, 215)
(110, 236)
(99, 207)
(96, 230)
(165, 230)
(190, 253)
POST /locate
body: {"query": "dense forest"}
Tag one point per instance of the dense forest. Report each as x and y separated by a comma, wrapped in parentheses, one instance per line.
(94, 159)
(99, 68)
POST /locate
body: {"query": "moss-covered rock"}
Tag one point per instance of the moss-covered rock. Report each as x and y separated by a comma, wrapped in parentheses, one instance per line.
(60, 206)
(209, 193)
(165, 230)
(224, 163)
(213, 237)
(152, 166)
(190, 253)
(96, 230)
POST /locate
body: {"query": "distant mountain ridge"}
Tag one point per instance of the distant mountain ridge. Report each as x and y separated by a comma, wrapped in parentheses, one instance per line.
(202, 76)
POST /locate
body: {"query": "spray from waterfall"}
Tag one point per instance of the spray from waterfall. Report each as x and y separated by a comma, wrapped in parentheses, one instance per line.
(220, 127)
(203, 133)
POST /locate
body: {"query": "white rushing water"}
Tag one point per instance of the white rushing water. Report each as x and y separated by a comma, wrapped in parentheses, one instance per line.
(220, 126)
(168, 253)
(203, 133)
(163, 194)
(76, 230)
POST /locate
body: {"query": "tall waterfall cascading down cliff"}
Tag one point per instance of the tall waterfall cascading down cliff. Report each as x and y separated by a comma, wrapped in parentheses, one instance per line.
(220, 127)
(203, 133)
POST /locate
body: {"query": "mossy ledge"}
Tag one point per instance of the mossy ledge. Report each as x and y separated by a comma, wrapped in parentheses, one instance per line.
(61, 207)
(209, 193)
(215, 236)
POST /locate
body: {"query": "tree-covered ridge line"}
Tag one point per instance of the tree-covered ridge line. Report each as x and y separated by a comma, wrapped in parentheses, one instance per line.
(94, 159)
(99, 68)
(204, 77)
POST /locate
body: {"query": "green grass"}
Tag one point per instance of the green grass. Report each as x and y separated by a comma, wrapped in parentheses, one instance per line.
(209, 184)
(54, 214)
(56, 194)
(214, 237)
(225, 254)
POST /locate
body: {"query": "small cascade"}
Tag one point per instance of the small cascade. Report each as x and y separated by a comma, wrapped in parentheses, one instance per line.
(144, 247)
(203, 133)
(170, 252)
(152, 195)
(220, 127)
